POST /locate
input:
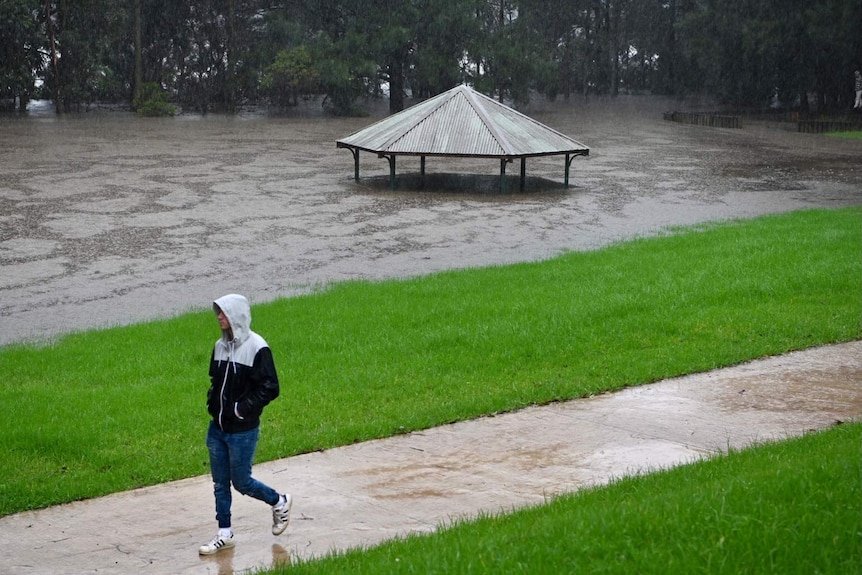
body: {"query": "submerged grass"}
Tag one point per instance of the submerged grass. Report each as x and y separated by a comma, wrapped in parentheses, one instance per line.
(109, 410)
(789, 507)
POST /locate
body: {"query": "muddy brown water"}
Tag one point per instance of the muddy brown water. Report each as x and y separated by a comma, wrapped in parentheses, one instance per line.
(108, 219)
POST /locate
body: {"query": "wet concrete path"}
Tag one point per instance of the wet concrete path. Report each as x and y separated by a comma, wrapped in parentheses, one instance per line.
(363, 494)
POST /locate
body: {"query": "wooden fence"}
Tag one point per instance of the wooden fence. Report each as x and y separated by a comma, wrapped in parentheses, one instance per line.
(821, 126)
(705, 119)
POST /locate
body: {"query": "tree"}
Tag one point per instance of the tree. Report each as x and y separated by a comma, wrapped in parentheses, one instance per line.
(20, 46)
(291, 77)
(55, 60)
(333, 33)
(833, 29)
(346, 71)
(749, 51)
(567, 31)
(443, 32)
(218, 54)
(79, 42)
(242, 34)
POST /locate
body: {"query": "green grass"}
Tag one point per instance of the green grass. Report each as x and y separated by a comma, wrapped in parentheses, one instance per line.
(788, 507)
(846, 135)
(109, 410)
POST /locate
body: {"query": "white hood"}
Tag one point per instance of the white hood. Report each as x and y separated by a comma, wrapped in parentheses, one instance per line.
(238, 312)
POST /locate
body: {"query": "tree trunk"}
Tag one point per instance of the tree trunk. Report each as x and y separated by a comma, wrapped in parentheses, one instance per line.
(396, 86)
(230, 85)
(49, 23)
(500, 32)
(139, 61)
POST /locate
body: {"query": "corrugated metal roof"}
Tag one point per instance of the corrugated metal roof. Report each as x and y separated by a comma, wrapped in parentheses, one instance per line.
(462, 122)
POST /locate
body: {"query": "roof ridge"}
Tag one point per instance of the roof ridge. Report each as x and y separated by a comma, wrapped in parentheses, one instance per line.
(524, 116)
(434, 108)
(486, 119)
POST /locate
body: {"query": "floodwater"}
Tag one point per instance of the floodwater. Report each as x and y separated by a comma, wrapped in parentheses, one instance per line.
(109, 219)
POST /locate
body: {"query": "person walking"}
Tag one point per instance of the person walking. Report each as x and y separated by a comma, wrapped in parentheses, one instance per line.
(243, 381)
(858, 87)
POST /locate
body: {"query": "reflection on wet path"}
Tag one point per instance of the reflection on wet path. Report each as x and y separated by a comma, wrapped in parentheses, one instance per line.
(222, 563)
(108, 218)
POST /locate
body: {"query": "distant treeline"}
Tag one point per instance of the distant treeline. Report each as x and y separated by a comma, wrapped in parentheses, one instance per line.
(221, 54)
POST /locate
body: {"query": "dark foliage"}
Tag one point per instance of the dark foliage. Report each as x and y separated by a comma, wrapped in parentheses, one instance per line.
(220, 54)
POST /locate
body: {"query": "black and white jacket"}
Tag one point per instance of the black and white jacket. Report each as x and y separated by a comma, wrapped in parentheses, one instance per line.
(242, 372)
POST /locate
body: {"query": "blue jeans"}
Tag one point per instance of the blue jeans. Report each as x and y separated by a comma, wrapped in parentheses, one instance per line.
(231, 457)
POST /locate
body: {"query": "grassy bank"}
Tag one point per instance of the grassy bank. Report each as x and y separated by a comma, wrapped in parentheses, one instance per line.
(846, 135)
(790, 507)
(109, 410)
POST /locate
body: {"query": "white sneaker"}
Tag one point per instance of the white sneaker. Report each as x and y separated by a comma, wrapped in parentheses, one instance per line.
(216, 544)
(281, 515)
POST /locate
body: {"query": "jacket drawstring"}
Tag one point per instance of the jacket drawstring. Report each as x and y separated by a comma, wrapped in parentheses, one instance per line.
(232, 362)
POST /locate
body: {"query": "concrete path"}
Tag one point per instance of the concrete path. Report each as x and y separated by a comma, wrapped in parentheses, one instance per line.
(365, 493)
